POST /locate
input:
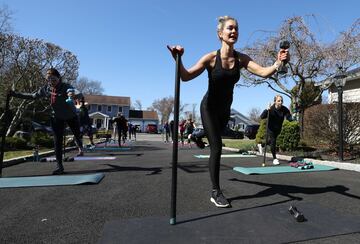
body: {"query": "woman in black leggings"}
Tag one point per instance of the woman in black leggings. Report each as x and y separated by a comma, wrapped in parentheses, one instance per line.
(223, 68)
(276, 113)
(62, 112)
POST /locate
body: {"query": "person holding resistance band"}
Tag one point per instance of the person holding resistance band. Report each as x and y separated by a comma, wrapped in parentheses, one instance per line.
(62, 112)
(277, 113)
(223, 68)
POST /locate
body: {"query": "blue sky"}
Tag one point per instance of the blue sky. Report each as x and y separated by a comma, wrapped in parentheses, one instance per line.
(123, 43)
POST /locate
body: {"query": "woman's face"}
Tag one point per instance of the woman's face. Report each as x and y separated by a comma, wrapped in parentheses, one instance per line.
(230, 32)
(52, 79)
(278, 102)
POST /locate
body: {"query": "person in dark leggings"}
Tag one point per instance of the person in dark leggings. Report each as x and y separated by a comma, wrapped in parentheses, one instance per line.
(62, 112)
(121, 124)
(277, 113)
(223, 68)
(85, 122)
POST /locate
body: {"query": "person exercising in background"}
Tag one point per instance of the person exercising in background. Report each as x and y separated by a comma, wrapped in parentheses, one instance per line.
(121, 124)
(62, 112)
(223, 68)
(85, 121)
(277, 113)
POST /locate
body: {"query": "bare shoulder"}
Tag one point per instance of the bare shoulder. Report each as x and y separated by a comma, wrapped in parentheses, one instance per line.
(209, 59)
(210, 56)
(243, 58)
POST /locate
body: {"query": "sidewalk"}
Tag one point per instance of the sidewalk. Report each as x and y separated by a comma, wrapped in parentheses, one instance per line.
(341, 165)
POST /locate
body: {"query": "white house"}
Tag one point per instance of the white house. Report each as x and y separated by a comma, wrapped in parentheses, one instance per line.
(239, 120)
(103, 108)
(351, 90)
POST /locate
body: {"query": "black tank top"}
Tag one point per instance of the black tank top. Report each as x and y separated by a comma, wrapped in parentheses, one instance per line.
(221, 84)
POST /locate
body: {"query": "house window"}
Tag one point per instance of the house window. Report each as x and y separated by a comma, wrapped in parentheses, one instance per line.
(120, 109)
(109, 108)
(99, 108)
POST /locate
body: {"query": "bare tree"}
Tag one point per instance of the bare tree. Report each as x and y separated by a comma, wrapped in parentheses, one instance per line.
(254, 114)
(138, 104)
(5, 19)
(23, 63)
(164, 107)
(311, 60)
(90, 87)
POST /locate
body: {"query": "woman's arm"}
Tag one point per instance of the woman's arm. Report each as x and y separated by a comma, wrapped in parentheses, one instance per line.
(261, 71)
(31, 96)
(194, 71)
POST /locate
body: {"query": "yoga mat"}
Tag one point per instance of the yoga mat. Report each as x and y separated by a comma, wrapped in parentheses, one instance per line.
(110, 149)
(84, 158)
(280, 169)
(53, 180)
(228, 156)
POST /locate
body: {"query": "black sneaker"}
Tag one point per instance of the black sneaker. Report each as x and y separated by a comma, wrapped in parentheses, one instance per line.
(59, 171)
(198, 141)
(219, 200)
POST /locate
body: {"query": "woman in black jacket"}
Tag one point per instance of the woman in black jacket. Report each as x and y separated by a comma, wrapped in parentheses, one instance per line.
(62, 112)
(277, 113)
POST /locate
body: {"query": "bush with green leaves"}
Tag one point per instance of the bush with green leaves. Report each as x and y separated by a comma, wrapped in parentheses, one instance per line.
(42, 139)
(15, 143)
(289, 138)
(260, 135)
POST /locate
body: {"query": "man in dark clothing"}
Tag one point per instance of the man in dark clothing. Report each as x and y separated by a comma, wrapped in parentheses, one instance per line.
(62, 112)
(121, 124)
(277, 113)
(171, 125)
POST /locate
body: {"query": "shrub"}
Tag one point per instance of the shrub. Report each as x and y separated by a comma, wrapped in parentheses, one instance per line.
(15, 143)
(42, 139)
(321, 125)
(289, 138)
(260, 135)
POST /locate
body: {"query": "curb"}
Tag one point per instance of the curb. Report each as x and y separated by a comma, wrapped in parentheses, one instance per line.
(27, 158)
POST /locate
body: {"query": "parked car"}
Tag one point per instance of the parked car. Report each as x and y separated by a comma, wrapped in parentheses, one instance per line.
(151, 128)
(251, 131)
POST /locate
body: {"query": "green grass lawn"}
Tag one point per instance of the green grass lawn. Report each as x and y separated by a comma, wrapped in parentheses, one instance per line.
(243, 145)
(21, 153)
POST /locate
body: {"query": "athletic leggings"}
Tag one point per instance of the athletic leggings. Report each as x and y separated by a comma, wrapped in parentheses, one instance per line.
(121, 135)
(58, 129)
(214, 122)
(272, 142)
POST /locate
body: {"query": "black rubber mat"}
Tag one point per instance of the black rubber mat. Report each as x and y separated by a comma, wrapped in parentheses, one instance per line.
(268, 224)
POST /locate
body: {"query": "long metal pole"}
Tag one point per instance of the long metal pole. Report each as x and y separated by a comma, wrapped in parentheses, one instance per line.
(4, 129)
(266, 137)
(175, 142)
(341, 131)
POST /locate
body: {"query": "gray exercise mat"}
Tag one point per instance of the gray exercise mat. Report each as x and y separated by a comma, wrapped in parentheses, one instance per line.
(53, 180)
(268, 224)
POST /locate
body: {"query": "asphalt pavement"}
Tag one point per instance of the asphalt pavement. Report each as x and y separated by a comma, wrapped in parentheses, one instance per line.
(137, 185)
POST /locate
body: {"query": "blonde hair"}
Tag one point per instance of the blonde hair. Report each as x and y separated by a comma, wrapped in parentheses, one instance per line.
(222, 20)
(277, 97)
